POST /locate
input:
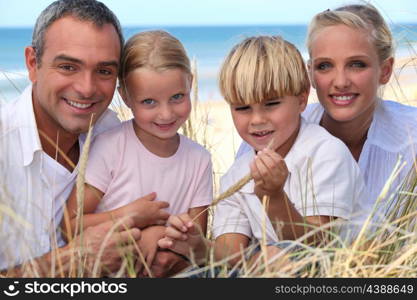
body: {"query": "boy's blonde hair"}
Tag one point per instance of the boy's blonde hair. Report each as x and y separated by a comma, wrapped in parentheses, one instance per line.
(358, 16)
(156, 50)
(262, 68)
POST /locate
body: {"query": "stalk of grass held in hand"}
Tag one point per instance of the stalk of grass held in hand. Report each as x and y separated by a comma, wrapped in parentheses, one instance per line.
(234, 188)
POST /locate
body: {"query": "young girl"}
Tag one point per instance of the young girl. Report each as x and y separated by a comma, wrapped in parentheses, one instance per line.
(351, 57)
(146, 154)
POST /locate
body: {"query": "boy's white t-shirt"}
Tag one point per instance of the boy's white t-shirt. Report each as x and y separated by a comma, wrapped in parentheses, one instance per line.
(122, 168)
(323, 180)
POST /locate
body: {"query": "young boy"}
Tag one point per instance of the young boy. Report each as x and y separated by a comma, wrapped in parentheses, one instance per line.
(308, 175)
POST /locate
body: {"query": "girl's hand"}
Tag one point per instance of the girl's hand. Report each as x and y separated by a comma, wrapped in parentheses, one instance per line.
(148, 245)
(269, 172)
(183, 236)
(146, 211)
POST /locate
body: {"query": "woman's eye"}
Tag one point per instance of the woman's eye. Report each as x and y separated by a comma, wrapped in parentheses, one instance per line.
(148, 101)
(358, 64)
(177, 97)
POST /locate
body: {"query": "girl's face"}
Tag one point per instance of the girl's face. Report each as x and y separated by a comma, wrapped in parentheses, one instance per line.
(160, 102)
(346, 72)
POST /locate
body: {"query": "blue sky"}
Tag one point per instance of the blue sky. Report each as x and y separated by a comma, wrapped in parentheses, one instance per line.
(23, 13)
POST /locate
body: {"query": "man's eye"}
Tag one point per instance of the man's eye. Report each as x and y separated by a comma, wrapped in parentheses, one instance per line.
(148, 101)
(105, 72)
(68, 68)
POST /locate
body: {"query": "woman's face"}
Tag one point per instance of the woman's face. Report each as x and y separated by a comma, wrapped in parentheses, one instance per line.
(346, 72)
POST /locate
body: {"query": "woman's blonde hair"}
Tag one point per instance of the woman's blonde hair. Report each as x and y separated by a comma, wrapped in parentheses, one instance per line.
(359, 16)
(262, 68)
(156, 50)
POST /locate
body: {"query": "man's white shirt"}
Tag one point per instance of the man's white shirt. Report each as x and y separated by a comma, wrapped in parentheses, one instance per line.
(34, 186)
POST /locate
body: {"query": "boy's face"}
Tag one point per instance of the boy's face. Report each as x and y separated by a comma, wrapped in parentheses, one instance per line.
(279, 119)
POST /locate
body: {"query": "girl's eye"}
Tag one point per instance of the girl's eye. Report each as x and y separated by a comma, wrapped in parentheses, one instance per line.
(177, 97)
(148, 101)
(323, 66)
(358, 64)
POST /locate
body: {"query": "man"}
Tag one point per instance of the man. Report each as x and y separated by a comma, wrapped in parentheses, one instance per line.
(73, 64)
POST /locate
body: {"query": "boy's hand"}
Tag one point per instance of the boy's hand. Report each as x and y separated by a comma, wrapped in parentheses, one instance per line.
(269, 172)
(146, 211)
(183, 236)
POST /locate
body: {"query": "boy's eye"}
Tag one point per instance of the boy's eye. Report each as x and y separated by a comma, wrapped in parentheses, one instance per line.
(177, 97)
(273, 103)
(148, 101)
(323, 66)
(242, 108)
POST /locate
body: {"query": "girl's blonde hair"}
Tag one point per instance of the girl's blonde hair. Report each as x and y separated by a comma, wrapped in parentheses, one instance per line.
(156, 50)
(262, 68)
(359, 16)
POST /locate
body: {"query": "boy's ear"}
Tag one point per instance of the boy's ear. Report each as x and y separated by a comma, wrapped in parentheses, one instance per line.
(122, 92)
(31, 63)
(386, 70)
(303, 98)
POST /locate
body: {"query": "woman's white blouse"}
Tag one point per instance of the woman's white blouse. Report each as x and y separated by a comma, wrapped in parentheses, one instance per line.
(391, 142)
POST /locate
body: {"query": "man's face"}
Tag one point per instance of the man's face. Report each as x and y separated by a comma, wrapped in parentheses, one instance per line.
(76, 76)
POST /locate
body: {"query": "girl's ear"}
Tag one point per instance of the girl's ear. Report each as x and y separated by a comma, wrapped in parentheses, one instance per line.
(310, 73)
(386, 70)
(191, 78)
(123, 93)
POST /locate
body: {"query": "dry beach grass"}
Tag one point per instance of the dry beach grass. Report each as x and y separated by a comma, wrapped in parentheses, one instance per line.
(387, 251)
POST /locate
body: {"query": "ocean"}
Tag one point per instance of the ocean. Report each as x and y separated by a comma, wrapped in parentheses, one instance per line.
(208, 45)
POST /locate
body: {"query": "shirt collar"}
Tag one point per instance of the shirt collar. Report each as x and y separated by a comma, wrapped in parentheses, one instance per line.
(393, 126)
(29, 136)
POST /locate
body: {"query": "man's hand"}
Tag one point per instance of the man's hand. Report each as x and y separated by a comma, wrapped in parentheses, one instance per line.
(108, 243)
